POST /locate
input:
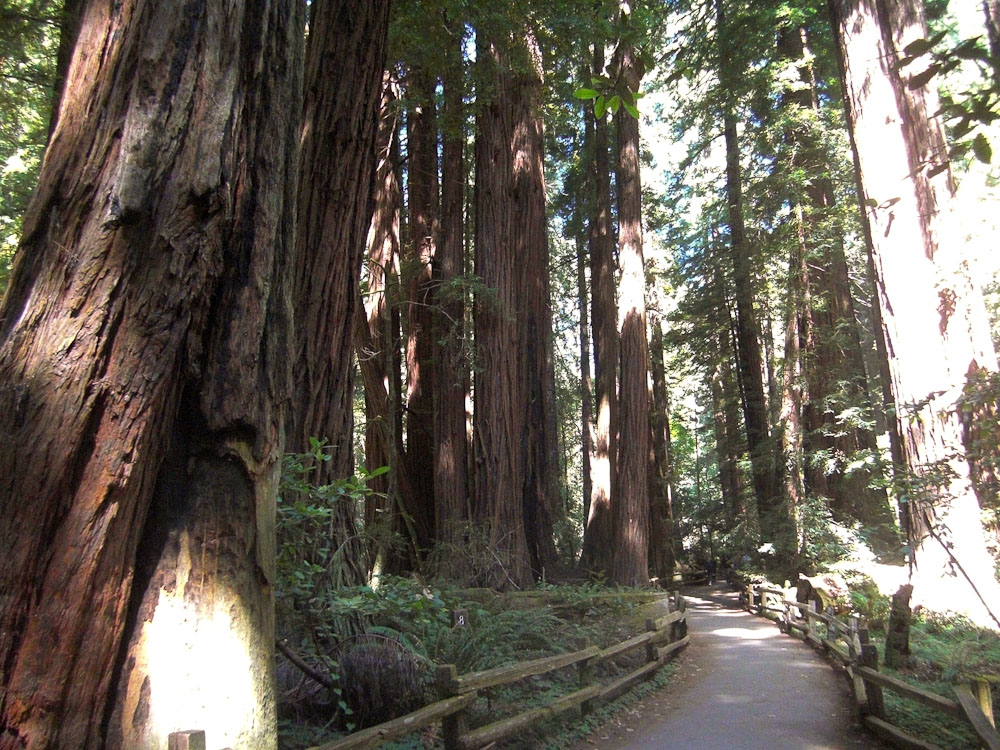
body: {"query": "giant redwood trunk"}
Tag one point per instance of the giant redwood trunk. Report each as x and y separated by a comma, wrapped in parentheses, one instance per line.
(375, 346)
(541, 463)
(661, 520)
(597, 539)
(450, 455)
(503, 165)
(337, 162)
(631, 488)
(422, 183)
(932, 313)
(144, 377)
(586, 384)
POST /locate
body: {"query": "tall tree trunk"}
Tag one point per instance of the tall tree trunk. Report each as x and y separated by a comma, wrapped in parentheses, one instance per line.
(586, 384)
(541, 486)
(933, 317)
(770, 507)
(376, 347)
(143, 375)
(631, 488)
(597, 540)
(420, 347)
(450, 481)
(797, 334)
(661, 532)
(337, 158)
(502, 167)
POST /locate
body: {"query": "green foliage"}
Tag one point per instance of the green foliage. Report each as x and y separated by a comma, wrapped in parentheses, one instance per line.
(969, 110)
(29, 39)
(945, 650)
(869, 603)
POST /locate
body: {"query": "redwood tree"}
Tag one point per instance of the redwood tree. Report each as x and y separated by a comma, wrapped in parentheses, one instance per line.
(933, 319)
(503, 139)
(450, 454)
(335, 199)
(596, 555)
(631, 488)
(144, 377)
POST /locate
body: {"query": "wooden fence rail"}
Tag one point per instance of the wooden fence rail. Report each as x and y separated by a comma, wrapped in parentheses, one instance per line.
(848, 644)
(662, 637)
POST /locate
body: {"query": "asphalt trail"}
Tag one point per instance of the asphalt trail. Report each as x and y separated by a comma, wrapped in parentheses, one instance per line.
(742, 685)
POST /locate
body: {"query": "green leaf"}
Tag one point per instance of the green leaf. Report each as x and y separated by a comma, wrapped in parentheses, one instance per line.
(585, 93)
(631, 109)
(982, 149)
(613, 104)
(871, 203)
(600, 107)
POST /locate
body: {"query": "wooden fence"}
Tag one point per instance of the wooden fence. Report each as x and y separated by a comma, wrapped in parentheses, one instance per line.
(846, 642)
(663, 637)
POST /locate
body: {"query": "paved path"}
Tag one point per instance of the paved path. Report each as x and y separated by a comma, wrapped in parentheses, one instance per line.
(742, 685)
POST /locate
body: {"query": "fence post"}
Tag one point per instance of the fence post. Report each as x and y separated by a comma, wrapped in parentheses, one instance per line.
(981, 689)
(455, 725)
(811, 621)
(192, 739)
(587, 679)
(761, 602)
(876, 701)
(651, 643)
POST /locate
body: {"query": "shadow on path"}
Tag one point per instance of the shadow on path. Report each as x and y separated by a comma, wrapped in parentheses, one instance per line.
(741, 685)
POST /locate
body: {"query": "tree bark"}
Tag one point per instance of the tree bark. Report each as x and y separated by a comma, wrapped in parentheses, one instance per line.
(661, 521)
(597, 550)
(540, 440)
(631, 488)
(143, 381)
(418, 271)
(586, 385)
(450, 480)
(337, 158)
(504, 121)
(376, 347)
(933, 318)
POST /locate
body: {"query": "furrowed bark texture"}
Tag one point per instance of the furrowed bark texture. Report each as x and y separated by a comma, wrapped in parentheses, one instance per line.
(450, 457)
(933, 319)
(375, 344)
(661, 521)
(335, 200)
(631, 487)
(418, 271)
(540, 440)
(503, 168)
(148, 315)
(586, 383)
(597, 550)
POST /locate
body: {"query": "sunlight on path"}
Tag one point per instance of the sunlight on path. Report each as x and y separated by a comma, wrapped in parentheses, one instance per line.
(742, 685)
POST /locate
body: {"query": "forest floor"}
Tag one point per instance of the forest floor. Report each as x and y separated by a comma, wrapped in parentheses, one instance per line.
(740, 684)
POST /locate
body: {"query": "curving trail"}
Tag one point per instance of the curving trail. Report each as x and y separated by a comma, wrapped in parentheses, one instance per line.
(742, 685)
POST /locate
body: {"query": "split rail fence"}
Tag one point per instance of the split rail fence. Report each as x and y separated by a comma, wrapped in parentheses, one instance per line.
(848, 644)
(663, 637)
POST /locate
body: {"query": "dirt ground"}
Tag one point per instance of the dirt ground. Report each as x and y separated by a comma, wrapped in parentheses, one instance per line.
(740, 685)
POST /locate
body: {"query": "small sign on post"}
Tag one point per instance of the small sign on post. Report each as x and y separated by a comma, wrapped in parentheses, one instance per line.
(459, 618)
